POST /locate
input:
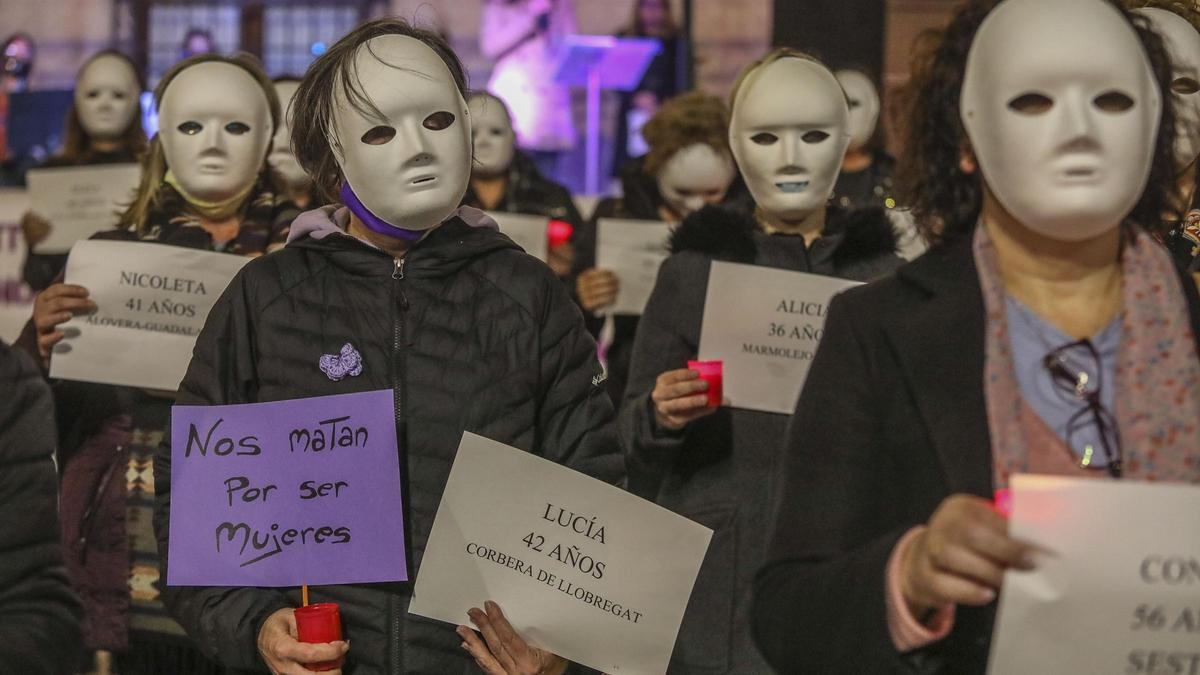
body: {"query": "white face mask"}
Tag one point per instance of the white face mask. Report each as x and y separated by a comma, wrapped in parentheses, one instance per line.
(789, 134)
(281, 158)
(1062, 131)
(106, 97)
(1183, 44)
(492, 136)
(411, 166)
(215, 126)
(864, 106)
(694, 176)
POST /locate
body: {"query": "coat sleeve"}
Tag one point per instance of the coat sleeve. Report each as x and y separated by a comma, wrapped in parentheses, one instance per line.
(39, 615)
(574, 412)
(667, 337)
(819, 599)
(224, 622)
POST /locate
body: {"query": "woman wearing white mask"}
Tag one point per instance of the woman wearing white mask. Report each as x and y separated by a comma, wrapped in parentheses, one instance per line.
(204, 185)
(504, 179)
(394, 287)
(291, 181)
(1179, 26)
(788, 132)
(866, 177)
(1019, 343)
(103, 127)
(688, 166)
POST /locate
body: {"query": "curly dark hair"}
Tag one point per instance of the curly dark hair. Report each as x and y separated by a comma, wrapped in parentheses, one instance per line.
(946, 201)
(694, 117)
(313, 138)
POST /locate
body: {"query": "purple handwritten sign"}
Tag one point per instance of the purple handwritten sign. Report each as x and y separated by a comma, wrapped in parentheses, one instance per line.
(286, 493)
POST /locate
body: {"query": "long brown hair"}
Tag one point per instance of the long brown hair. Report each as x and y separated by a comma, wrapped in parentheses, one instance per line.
(694, 117)
(154, 166)
(77, 143)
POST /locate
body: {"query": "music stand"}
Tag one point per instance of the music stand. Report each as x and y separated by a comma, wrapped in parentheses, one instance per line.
(599, 62)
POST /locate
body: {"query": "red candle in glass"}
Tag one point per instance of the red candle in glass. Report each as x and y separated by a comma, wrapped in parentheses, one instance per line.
(713, 373)
(1002, 503)
(320, 623)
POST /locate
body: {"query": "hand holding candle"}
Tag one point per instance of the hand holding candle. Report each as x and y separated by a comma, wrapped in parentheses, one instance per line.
(318, 624)
(681, 396)
(712, 372)
(282, 653)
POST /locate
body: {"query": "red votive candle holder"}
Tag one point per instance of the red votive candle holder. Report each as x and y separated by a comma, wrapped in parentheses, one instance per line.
(712, 372)
(558, 232)
(1002, 503)
(318, 624)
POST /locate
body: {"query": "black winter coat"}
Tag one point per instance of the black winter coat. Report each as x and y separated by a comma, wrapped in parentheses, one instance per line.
(39, 615)
(531, 193)
(468, 332)
(720, 470)
(892, 420)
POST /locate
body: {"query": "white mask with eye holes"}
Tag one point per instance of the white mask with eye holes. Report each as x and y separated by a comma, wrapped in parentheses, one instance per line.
(1183, 44)
(106, 97)
(1063, 132)
(788, 133)
(215, 126)
(694, 176)
(864, 106)
(492, 136)
(282, 159)
(410, 164)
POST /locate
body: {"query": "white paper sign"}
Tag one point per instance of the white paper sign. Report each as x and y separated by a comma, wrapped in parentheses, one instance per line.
(79, 201)
(633, 250)
(152, 302)
(1118, 590)
(16, 300)
(765, 324)
(581, 568)
(529, 232)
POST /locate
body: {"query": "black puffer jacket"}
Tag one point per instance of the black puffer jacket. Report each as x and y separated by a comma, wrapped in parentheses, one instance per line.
(720, 470)
(39, 616)
(532, 193)
(470, 334)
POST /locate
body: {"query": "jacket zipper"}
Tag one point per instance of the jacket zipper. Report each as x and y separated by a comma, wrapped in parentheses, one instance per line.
(400, 305)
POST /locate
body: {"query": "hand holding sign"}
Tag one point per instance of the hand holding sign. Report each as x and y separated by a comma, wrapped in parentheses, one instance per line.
(53, 307)
(960, 559)
(506, 652)
(596, 288)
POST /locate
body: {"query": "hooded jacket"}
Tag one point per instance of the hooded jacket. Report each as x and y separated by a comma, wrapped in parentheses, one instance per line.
(720, 470)
(468, 332)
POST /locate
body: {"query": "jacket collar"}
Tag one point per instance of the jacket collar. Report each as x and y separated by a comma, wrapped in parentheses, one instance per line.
(940, 347)
(451, 246)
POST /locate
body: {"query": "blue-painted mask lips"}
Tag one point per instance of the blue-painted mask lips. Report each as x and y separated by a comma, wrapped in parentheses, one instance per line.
(793, 186)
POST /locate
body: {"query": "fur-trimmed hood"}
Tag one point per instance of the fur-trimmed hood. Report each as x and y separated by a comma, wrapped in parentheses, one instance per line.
(861, 235)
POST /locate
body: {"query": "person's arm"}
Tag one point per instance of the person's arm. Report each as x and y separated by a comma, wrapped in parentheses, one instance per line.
(224, 622)
(667, 337)
(574, 411)
(820, 599)
(39, 615)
